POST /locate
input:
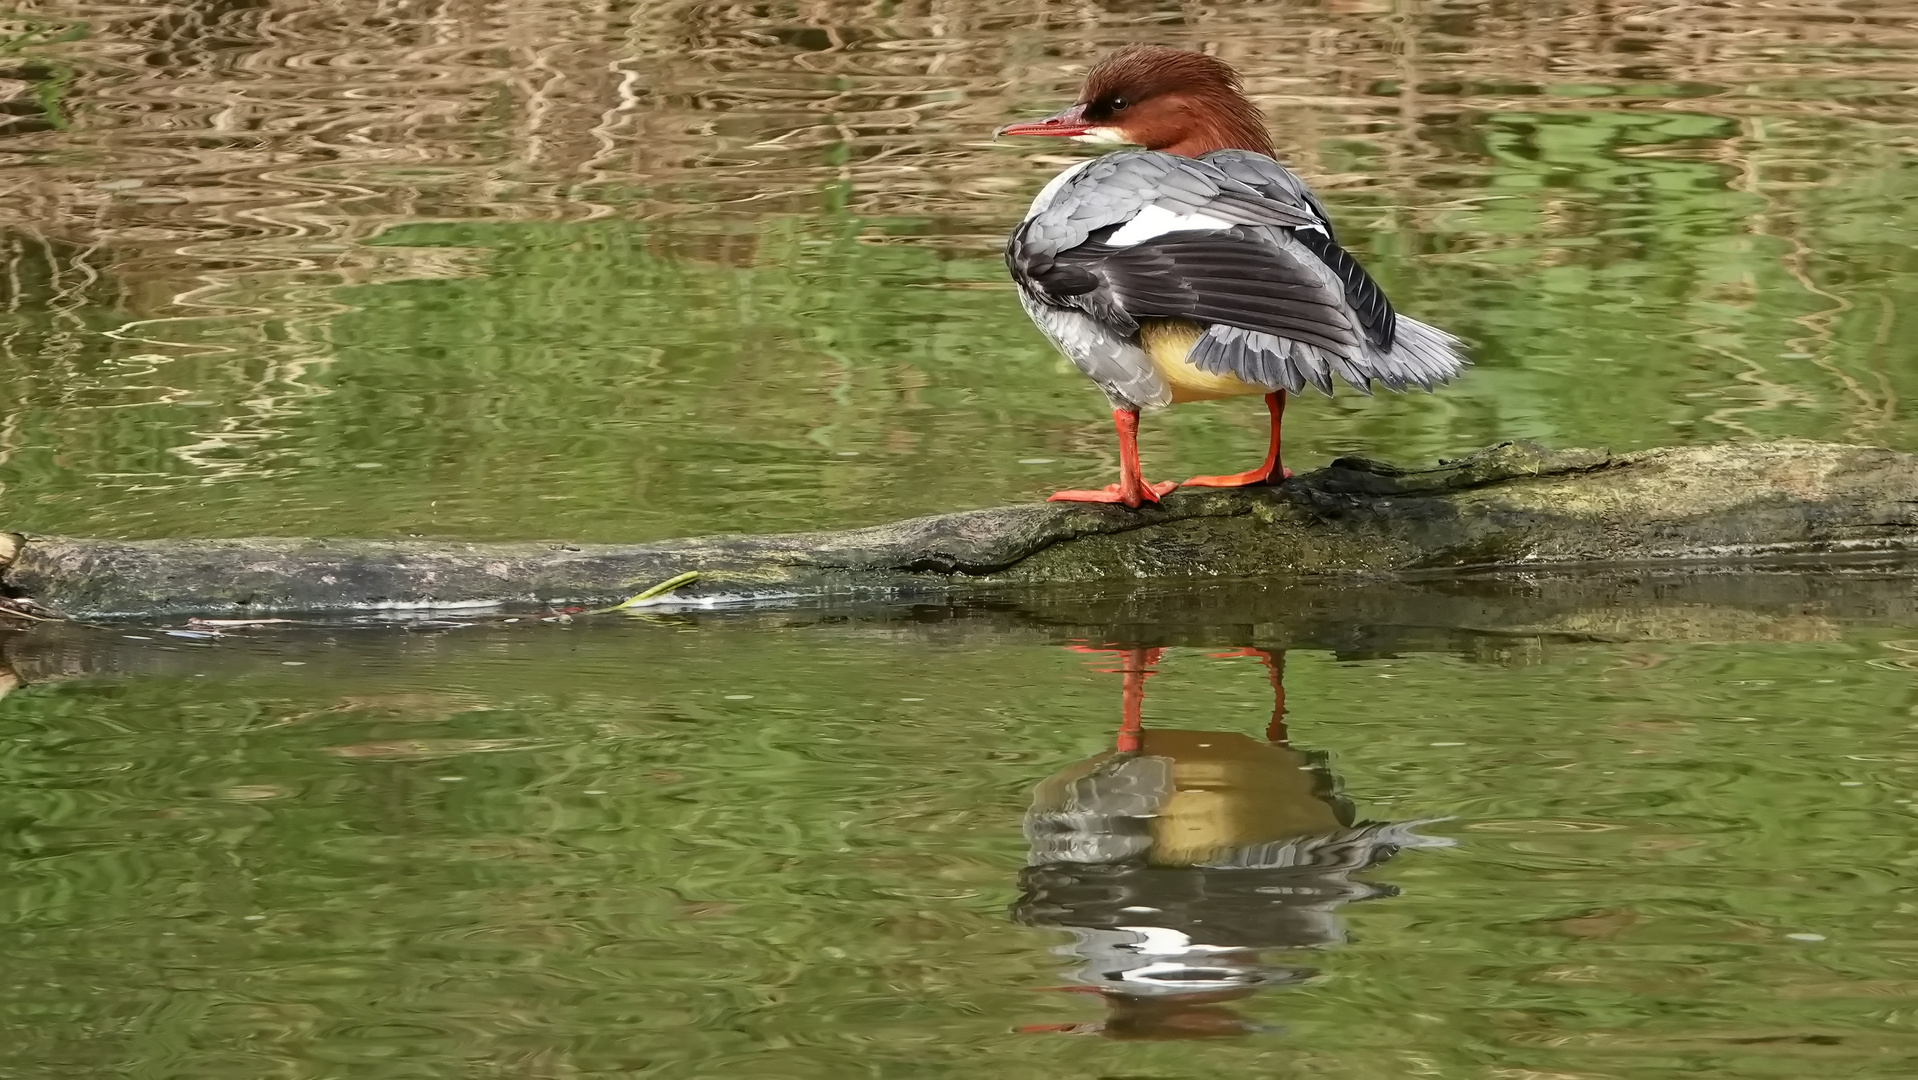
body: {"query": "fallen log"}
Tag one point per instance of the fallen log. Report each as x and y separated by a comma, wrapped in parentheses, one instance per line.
(1512, 505)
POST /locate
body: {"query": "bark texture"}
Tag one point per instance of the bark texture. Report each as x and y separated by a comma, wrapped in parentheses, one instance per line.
(1512, 505)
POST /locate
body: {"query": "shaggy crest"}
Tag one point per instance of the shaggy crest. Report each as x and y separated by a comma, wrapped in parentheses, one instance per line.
(1182, 102)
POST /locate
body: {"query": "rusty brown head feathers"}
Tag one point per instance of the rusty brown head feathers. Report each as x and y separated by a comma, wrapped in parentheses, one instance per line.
(1167, 99)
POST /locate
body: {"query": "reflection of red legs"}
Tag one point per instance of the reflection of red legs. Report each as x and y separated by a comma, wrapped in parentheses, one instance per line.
(1275, 671)
(1136, 664)
(1131, 488)
(1046, 1029)
(1270, 471)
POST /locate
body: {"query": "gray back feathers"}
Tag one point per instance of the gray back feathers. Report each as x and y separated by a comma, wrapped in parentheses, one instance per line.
(1232, 242)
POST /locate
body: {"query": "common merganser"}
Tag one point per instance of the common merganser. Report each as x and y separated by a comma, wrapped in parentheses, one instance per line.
(1198, 267)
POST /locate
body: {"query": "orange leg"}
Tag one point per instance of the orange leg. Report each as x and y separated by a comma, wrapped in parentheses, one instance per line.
(1270, 472)
(1132, 709)
(1131, 488)
(1136, 664)
(1275, 672)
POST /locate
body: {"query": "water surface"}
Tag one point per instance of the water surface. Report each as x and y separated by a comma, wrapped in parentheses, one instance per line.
(1673, 837)
(499, 269)
(615, 272)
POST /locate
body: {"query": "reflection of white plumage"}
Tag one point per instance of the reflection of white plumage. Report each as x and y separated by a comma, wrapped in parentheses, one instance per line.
(1177, 857)
(1199, 267)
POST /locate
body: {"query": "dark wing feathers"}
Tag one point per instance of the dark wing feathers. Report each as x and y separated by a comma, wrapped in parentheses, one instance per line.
(1066, 282)
(1367, 299)
(1228, 277)
(1281, 185)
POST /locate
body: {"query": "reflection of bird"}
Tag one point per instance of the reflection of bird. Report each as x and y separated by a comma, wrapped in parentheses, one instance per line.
(1198, 267)
(1178, 856)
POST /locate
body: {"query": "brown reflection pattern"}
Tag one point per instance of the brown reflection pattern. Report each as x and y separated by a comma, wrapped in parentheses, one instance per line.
(260, 137)
(1178, 859)
(188, 181)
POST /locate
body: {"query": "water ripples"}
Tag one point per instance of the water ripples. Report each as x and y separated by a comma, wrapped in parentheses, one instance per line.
(195, 190)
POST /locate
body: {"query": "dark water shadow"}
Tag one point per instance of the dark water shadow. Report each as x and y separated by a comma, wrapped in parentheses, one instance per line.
(1500, 618)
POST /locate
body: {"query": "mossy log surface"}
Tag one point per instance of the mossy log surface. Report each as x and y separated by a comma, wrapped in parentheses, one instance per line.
(1512, 505)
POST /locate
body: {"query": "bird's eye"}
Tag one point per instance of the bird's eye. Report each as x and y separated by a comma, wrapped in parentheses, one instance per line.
(1118, 103)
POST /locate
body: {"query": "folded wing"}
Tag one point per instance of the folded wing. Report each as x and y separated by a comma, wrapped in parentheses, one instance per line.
(1234, 243)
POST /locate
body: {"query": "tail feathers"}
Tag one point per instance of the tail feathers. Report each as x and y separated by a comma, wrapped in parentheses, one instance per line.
(1421, 355)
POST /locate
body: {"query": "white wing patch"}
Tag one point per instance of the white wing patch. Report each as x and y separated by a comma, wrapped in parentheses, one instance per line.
(1155, 221)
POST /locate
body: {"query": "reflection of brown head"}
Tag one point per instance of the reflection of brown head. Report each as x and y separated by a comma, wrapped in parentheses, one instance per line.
(1135, 1019)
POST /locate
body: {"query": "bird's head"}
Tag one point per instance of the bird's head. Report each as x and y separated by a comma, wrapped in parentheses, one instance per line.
(1159, 98)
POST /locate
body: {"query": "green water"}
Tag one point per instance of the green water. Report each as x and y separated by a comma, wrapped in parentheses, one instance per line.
(788, 846)
(826, 336)
(597, 272)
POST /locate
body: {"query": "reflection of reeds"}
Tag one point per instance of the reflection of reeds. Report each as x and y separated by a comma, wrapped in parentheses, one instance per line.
(224, 160)
(321, 121)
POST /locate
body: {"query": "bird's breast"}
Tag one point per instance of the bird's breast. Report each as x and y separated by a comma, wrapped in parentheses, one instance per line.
(1231, 792)
(1169, 343)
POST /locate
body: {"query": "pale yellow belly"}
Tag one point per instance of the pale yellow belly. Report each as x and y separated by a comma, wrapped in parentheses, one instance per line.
(1232, 792)
(1167, 341)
